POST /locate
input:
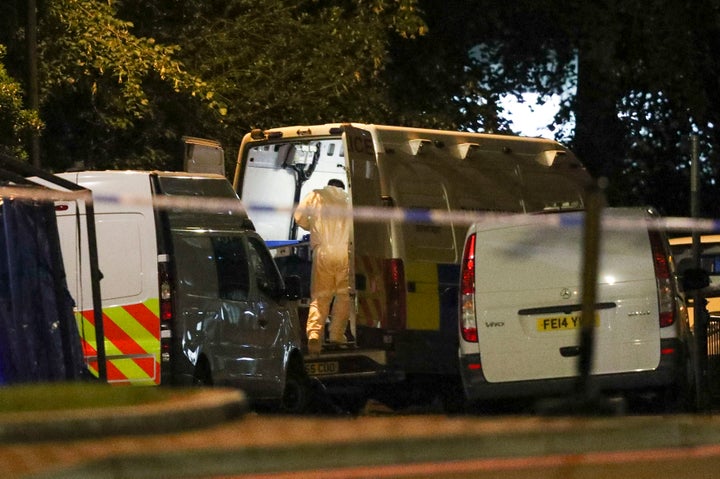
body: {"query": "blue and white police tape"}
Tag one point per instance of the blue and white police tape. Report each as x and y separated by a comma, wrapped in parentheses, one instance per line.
(376, 214)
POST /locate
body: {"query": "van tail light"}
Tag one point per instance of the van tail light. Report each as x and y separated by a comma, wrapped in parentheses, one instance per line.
(166, 307)
(468, 323)
(396, 307)
(167, 314)
(666, 299)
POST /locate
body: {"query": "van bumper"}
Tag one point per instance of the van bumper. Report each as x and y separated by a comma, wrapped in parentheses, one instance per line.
(668, 373)
(355, 365)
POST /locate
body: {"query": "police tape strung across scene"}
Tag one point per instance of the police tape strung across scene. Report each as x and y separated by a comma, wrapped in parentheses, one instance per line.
(363, 213)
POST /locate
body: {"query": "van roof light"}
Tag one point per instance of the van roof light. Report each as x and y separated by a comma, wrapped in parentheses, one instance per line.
(257, 134)
(417, 145)
(548, 157)
(465, 150)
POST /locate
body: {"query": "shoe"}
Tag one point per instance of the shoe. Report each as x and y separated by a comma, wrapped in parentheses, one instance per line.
(314, 347)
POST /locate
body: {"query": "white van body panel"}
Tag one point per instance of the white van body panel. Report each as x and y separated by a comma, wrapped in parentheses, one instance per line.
(127, 254)
(524, 268)
(519, 320)
(127, 260)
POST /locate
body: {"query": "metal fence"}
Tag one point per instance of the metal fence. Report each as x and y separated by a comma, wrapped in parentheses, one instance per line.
(713, 356)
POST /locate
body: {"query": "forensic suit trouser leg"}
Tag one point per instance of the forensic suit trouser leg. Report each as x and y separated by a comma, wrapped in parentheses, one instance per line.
(329, 280)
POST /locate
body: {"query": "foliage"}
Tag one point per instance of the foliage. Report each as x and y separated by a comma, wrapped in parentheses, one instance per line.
(102, 88)
(16, 122)
(288, 62)
(123, 80)
(611, 55)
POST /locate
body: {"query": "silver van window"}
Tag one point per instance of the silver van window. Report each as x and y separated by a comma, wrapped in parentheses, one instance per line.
(212, 266)
(266, 274)
(231, 261)
(195, 264)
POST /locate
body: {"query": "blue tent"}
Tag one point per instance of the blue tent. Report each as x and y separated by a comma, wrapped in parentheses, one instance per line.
(39, 340)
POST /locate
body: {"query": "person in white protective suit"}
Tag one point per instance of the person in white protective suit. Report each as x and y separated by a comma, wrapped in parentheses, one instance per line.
(323, 212)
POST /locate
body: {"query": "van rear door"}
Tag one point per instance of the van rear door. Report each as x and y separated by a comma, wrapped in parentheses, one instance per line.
(528, 300)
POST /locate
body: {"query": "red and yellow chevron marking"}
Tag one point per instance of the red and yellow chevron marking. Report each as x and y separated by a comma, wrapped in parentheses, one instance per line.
(132, 342)
(423, 302)
(371, 300)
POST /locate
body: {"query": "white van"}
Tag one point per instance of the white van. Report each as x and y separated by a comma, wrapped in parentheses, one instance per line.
(405, 265)
(188, 296)
(521, 303)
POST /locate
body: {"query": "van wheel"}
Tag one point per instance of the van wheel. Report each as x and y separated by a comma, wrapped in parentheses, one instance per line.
(453, 397)
(202, 376)
(296, 395)
(683, 395)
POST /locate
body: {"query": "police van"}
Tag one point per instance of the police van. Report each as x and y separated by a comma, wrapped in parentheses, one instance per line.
(405, 254)
(190, 293)
(521, 305)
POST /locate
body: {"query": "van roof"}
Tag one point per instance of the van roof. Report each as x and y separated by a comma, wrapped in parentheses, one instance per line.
(390, 133)
(143, 173)
(530, 151)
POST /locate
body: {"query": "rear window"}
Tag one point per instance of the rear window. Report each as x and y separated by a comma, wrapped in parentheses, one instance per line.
(206, 216)
(196, 186)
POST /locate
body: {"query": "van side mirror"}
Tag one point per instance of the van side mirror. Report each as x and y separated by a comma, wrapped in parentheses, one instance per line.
(694, 279)
(293, 287)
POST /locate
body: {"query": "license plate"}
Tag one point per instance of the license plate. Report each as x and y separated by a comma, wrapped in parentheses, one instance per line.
(320, 368)
(561, 322)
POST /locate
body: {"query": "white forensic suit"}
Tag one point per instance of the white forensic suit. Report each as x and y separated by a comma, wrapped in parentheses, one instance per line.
(324, 213)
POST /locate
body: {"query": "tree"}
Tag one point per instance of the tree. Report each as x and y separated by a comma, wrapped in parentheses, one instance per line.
(120, 93)
(286, 63)
(122, 81)
(98, 83)
(620, 58)
(16, 122)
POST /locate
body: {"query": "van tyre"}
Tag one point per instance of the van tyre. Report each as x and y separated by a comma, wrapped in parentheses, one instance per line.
(202, 376)
(296, 395)
(682, 396)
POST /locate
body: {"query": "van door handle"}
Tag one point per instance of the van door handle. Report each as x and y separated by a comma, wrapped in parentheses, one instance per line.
(570, 351)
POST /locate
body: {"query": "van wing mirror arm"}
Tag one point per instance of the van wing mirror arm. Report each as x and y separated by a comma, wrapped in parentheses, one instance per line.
(694, 279)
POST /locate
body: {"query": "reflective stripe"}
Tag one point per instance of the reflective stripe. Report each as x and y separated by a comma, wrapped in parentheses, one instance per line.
(132, 342)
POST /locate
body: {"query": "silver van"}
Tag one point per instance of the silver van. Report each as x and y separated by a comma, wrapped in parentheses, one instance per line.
(520, 297)
(189, 296)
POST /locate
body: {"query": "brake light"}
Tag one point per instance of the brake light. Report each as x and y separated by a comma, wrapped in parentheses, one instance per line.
(165, 286)
(468, 323)
(394, 272)
(167, 313)
(666, 300)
